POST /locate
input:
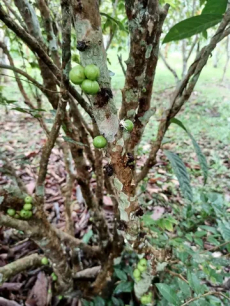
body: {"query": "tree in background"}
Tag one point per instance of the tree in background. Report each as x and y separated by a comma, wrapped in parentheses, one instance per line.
(105, 140)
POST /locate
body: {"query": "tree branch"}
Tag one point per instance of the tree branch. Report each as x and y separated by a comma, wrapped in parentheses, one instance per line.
(141, 65)
(20, 265)
(183, 93)
(169, 67)
(35, 47)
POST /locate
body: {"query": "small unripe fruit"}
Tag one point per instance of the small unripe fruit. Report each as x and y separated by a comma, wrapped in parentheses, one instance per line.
(16, 216)
(27, 206)
(99, 142)
(136, 273)
(90, 87)
(45, 261)
(128, 125)
(28, 200)
(143, 262)
(11, 212)
(26, 214)
(23, 213)
(141, 268)
(60, 297)
(145, 299)
(77, 75)
(54, 277)
(92, 72)
(137, 279)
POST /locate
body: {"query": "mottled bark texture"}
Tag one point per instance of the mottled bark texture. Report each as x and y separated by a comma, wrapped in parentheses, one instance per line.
(145, 24)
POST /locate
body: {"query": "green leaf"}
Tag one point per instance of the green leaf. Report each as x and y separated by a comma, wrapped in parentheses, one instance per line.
(120, 274)
(117, 22)
(98, 301)
(199, 242)
(184, 287)
(168, 225)
(168, 293)
(201, 158)
(123, 287)
(195, 283)
(224, 229)
(181, 173)
(215, 7)
(192, 26)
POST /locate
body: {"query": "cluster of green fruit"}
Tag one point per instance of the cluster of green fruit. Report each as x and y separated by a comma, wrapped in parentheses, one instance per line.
(147, 298)
(86, 77)
(25, 213)
(141, 267)
(100, 142)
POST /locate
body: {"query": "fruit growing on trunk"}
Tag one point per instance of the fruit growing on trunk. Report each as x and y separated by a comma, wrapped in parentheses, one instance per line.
(77, 75)
(92, 72)
(99, 142)
(90, 87)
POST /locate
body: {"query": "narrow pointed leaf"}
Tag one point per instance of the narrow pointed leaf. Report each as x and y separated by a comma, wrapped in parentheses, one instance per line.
(181, 173)
(201, 158)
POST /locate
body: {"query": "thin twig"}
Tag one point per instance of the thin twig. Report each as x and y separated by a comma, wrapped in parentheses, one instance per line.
(121, 64)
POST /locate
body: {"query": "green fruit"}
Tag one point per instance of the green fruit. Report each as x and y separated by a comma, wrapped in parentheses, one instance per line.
(146, 299)
(143, 262)
(25, 214)
(45, 261)
(90, 87)
(92, 72)
(11, 212)
(16, 216)
(27, 206)
(128, 125)
(141, 268)
(54, 277)
(136, 273)
(60, 297)
(137, 279)
(77, 75)
(99, 142)
(28, 200)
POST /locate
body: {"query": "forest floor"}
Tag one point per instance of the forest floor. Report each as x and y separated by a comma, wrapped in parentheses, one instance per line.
(206, 115)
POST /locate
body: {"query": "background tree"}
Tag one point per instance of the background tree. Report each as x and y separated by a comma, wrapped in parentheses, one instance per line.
(43, 33)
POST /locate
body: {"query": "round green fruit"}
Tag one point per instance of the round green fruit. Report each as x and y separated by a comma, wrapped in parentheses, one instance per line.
(146, 299)
(136, 273)
(60, 297)
(28, 200)
(16, 216)
(128, 125)
(137, 279)
(54, 277)
(99, 142)
(25, 214)
(143, 262)
(90, 87)
(92, 72)
(27, 206)
(11, 212)
(77, 75)
(141, 268)
(45, 261)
